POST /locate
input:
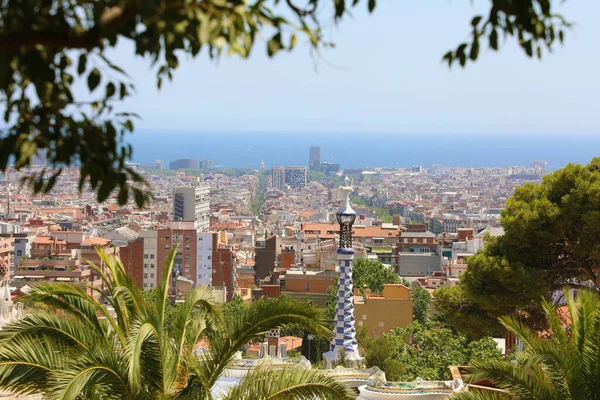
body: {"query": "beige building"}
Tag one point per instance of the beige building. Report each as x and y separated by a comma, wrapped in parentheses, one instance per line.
(381, 313)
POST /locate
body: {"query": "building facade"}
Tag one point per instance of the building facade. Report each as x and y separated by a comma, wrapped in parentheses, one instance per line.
(22, 245)
(207, 164)
(295, 177)
(314, 158)
(184, 163)
(292, 177)
(182, 236)
(278, 177)
(204, 261)
(192, 203)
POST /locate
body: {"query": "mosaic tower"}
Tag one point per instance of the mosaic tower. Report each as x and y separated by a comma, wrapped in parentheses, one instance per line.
(344, 344)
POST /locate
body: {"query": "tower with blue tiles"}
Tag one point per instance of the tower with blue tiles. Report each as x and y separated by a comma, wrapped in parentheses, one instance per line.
(344, 344)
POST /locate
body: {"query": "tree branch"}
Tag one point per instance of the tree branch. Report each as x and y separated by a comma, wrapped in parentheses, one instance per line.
(14, 41)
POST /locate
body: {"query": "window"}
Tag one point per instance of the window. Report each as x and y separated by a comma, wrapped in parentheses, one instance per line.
(152, 275)
(167, 246)
(19, 253)
(145, 285)
(151, 265)
(167, 237)
(187, 257)
(200, 257)
(209, 257)
(187, 247)
(145, 276)
(145, 265)
(152, 256)
(145, 255)
(152, 285)
(187, 238)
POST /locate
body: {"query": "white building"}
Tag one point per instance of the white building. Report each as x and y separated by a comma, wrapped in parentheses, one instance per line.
(192, 203)
(204, 251)
(150, 277)
(22, 247)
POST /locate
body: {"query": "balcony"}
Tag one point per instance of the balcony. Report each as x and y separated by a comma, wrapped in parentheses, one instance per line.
(48, 262)
(41, 271)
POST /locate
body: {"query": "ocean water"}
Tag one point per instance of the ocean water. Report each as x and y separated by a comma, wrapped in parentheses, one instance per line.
(358, 150)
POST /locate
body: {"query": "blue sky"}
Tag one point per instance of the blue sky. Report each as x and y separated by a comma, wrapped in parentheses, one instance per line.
(389, 79)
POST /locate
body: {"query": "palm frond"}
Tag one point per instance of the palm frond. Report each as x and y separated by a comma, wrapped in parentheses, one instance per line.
(296, 383)
(59, 329)
(86, 371)
(144, 345)
(192, 317)
(523, 382)
(163, 287)
(70, 298)
(27, 362)
(259, 318)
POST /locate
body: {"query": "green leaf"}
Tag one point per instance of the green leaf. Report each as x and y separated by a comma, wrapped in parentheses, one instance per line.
(122, 90)
(371, 5)
(123, 195)
(93, 79)
(139, 197)
(110, 89)
(82, 63)
(528, 46)
(293, 42)
(561, 36)
(474, 50)
(274, 45)
(494, 39)
(475, 21)
(129, 125)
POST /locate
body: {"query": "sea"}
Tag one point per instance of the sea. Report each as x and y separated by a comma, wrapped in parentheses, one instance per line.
(364, 150)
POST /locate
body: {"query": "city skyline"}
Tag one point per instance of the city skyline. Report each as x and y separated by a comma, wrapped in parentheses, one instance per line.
(372, 150)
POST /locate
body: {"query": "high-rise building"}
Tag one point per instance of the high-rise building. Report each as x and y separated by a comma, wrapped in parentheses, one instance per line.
(437, 169)
(278, 177)
(262, 165)
(329, 168)
(314, 158)
(192, 203)
(293, 177)
(204, 255)
(184, 163)
(160, 164)
(207, 164)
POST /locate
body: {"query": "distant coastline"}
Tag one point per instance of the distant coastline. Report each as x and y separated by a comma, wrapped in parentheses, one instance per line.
(360, 150)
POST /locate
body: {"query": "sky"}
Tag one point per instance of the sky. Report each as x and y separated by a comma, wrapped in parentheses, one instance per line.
(385, 75)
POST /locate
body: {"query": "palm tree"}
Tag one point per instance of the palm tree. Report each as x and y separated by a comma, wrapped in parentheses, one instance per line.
(566, 365)
(84, 349)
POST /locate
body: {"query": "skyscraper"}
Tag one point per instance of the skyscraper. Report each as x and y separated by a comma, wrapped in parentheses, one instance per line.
(278, 177)
(207, 164)
(294, 177)
(192, 203)
(314, 158)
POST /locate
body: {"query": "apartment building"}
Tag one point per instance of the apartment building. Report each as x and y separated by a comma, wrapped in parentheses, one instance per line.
(192, 203)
